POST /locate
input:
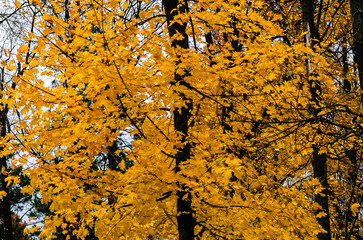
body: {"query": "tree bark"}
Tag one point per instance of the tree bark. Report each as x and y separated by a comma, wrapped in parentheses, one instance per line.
(185, 218)
(319, 161)
(349, 219)
(5, 207)
(320, 172)
(356, 9)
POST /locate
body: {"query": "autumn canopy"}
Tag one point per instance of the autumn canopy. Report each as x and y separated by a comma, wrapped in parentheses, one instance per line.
(180, 119)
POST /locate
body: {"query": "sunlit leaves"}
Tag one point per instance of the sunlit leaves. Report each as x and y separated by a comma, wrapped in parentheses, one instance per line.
(113, 71)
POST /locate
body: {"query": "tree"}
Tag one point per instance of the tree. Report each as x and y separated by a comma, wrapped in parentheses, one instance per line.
(227, 104)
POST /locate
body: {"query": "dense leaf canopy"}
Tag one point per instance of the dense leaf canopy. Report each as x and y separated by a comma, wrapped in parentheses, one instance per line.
(208, 119)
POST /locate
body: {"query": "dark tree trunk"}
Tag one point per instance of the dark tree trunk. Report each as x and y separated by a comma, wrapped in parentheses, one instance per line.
(185, 218)
(319, 161)
(320, 172)
(352, 178)
(356, 9)
(307, 7)
(5, 207)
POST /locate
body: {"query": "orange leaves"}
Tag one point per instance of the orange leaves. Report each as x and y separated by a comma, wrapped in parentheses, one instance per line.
(2, 194)
(104, 130)
(27, 190)
(355, 208)
(12, 180)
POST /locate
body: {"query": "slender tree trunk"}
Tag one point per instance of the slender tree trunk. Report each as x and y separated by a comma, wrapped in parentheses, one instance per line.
(356, 9)
(320, 172)
(5, 205)
(352, 170)
(349, 219)
(319, 161)
(185, 218)
(5, 208)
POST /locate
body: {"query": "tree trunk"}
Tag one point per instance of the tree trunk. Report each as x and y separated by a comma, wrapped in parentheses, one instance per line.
(320, 172)
(352, 178)
(185, 218)
(5, 207)
(319, 161)
(356, 9)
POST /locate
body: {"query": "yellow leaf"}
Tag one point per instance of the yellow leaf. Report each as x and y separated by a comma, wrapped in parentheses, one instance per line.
(118, 152)
(11, 66)
(355, 208)
(122, 165)
(321, 214)
(31, 230)
(2, 194)
(3, 171)
(27, 190)
(17, 4)
(13, 179)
